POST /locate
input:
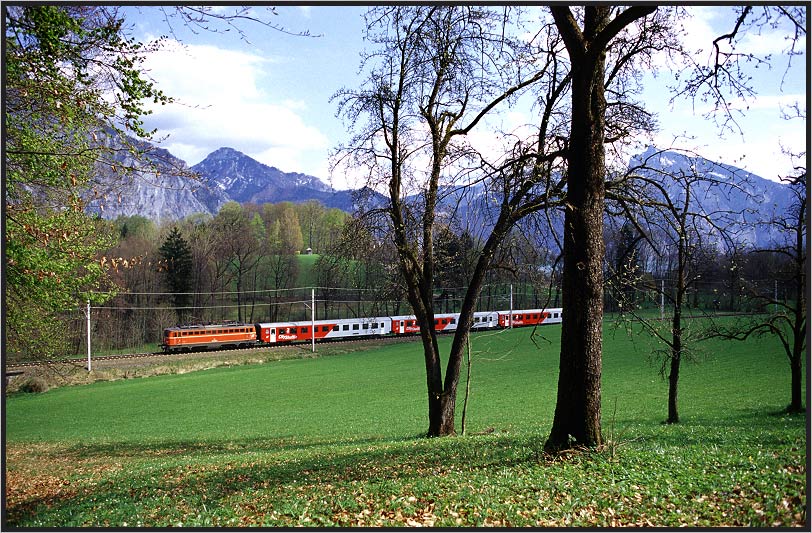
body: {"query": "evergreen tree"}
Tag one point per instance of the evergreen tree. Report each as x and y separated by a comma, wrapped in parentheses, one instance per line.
(177, 266)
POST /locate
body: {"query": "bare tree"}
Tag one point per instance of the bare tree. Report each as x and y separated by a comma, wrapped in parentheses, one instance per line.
(237, 246)
(670, 205)
(608, 46)
(437, 73)
(788, 317)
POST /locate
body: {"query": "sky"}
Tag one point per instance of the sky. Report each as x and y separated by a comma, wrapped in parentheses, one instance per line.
(267, 93)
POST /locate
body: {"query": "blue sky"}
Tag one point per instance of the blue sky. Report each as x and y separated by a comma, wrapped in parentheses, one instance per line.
(268, 95)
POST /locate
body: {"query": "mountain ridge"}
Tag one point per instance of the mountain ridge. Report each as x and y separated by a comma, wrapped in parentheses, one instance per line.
(227, 174)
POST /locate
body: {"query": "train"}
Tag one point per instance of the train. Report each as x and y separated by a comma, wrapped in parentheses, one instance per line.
(235, 335)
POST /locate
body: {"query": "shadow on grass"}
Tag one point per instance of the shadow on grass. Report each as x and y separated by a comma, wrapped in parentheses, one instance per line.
(169, 448)
(743, 426)
(170, 482)
(194, 473)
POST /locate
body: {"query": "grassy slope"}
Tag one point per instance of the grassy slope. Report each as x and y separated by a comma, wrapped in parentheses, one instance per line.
(307, 277)
(333, 441)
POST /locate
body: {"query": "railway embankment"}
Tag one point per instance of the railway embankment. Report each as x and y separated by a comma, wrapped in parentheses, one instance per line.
(43, 376)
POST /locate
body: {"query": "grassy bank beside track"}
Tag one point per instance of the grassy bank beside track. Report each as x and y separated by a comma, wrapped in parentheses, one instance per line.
(336, 441)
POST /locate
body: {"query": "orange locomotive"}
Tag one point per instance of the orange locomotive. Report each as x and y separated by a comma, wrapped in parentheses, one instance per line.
(185, 338)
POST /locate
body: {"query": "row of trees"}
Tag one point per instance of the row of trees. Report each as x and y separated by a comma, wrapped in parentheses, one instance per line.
(158, 269)
(244, 254)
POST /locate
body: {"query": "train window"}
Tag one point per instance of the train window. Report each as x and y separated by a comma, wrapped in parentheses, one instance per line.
(436, 321)
(366, 326)
(325, 329)
(355, 327)
(346, 327)
(335, 328)
(374, 325)
(273, 331)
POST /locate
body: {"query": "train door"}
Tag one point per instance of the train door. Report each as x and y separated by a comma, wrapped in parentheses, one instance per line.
(267, 333)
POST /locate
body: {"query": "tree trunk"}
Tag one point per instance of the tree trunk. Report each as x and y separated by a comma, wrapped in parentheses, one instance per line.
(796, 405)
(439, 423)
(577, 418)
(441, 414)
(673, 380)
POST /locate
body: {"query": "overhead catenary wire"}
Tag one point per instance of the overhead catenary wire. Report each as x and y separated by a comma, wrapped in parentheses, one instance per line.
(253, 291)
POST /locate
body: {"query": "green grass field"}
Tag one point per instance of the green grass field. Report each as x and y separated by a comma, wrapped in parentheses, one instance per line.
(337, 441)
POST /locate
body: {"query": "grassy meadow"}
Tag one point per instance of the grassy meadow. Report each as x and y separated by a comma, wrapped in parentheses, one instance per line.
(337, 441)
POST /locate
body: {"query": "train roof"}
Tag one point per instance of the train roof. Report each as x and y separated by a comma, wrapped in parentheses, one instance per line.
(320, 322)
(210, 326)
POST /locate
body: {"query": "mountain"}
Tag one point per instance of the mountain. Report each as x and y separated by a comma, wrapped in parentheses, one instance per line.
(245, 180)
(745, 198)
(142, 179)
(161, 186)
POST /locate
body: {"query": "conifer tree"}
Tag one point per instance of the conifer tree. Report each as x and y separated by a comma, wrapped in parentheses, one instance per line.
(176, 264)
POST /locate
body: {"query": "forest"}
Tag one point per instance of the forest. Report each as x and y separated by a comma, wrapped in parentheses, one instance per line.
(251, 264)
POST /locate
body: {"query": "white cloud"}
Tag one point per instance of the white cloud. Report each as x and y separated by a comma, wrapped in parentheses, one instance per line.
(222, 101)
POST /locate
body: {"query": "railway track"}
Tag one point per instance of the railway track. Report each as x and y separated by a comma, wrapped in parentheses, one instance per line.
(83, 360)
(80, 361)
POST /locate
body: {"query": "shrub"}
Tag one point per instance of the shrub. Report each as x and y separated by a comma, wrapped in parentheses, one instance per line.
(34, 384)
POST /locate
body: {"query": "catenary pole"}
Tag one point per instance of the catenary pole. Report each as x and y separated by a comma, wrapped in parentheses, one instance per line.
(775, 297)
(662, 299)
(88, 335)
(313, 320)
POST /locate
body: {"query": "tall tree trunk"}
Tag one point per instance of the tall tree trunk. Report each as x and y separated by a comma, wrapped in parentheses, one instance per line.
(796, 404)
(439, 423)
(673, 374)
(578, 405)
